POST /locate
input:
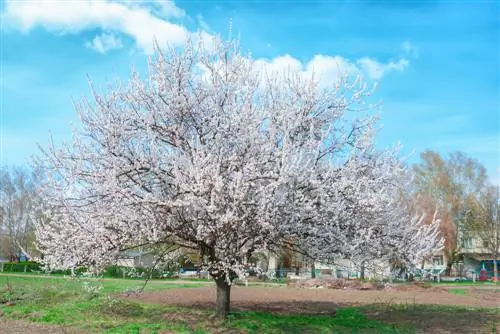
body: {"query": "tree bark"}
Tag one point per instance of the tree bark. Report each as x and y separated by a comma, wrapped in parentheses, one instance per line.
(362, 271)
(223, 298)
(448, 268)
(313, 270)
(495, 268)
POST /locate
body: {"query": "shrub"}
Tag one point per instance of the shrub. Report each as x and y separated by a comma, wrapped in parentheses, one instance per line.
(113, 271)
(19, 267)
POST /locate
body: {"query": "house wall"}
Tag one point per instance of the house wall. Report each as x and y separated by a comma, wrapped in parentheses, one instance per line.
(125, 263)
(471, 247)
(144, 261)
(272, 261)
(436, 261)
(472, 244)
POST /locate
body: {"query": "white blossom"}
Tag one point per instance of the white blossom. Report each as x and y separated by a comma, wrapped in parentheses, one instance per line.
(210, 152)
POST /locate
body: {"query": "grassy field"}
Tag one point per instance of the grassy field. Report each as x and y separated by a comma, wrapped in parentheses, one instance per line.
(89, 306)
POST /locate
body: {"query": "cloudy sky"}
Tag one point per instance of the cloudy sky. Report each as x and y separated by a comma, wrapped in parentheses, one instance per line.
(436, 63)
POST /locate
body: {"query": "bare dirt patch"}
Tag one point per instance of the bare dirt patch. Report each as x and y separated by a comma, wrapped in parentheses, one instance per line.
(403, 305)
(23, 327)
(440, 321)
(314, 301)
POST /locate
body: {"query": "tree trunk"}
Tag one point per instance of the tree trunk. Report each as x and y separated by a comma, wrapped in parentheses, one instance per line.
(313, 270)
(448, 268)
(362, 271)
(223, 298)
(495, 268)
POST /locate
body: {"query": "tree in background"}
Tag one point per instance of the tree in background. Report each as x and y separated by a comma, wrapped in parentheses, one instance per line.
(212, 153)
(448, 185)
(17, 206)
(484, 222)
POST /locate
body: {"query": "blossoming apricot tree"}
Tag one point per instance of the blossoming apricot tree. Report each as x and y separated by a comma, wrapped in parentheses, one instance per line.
(211, 152)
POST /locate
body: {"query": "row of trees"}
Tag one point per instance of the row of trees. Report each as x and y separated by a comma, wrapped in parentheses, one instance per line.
(213, 153)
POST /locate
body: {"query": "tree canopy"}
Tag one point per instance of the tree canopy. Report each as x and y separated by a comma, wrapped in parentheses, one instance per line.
(212, 152)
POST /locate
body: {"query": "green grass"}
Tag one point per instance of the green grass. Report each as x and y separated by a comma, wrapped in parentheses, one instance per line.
(467, 283)
(66, 302)
(461, 292)
(47, 275)
(77, 285)
(346, 320)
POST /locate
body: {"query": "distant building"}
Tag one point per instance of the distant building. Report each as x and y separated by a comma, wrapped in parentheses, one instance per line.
(136, 259)
(474, 253)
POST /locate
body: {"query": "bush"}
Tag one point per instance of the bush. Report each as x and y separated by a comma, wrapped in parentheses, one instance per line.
(20, 267)
(113, 271)
(127, 272)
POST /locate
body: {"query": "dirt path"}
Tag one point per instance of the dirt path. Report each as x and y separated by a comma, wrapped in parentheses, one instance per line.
(314, 301)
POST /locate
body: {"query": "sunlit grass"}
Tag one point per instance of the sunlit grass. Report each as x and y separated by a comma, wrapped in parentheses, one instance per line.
(98, 307)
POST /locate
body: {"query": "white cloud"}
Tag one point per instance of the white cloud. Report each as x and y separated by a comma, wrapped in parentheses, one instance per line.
(280, 64)
(330, 68)
(145, 20)
(327, 69)
(376, 69)
(74, 16)
(104, 43)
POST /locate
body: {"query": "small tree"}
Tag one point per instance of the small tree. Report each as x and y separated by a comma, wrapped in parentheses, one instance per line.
(213, 153)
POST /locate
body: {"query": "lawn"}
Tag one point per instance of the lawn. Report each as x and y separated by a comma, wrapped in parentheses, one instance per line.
(466, 283)
(89, 306)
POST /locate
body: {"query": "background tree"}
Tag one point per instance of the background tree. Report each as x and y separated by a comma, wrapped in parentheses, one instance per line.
(17, 206)
(485, 222)
(448, 185)
(211, 152)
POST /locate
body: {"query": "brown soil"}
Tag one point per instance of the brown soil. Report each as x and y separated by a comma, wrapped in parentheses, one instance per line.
(315, 301)
(23, 327)
(326, 301)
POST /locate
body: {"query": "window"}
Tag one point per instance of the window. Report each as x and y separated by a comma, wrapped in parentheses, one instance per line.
(486, 244)
(466, 242)
(437, 261)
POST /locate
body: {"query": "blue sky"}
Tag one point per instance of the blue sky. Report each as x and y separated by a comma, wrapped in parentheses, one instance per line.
(436, 63)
